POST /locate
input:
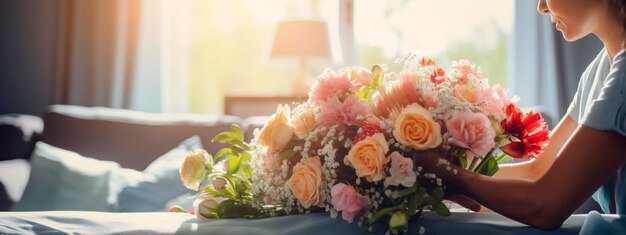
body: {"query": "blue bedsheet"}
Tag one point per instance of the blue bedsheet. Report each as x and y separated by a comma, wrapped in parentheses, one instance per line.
(62, 222)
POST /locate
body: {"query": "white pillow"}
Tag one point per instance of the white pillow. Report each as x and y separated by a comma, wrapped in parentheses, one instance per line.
(64, 180)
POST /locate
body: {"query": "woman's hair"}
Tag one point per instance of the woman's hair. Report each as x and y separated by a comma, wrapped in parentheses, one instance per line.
(618, 7)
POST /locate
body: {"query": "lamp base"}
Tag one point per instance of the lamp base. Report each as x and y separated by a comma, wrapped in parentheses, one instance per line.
(299, 84)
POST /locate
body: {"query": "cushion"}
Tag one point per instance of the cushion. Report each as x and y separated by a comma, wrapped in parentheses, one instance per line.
(18, 133)
(160, 182)
(13, 179)
(64, 180)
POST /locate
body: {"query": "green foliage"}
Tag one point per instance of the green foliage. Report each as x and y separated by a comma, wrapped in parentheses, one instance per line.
(378, 76)
(488, 165)
(238, 189)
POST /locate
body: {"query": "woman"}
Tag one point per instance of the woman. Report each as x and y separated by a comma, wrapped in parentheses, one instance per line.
(587, 152)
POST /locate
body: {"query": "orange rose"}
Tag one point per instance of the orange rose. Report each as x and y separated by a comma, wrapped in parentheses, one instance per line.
(466, 92)
(415, 127)
(305, 182)
(277, 132)
(304, 123)
(369, 156)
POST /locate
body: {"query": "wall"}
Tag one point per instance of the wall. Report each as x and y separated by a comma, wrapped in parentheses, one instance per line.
(26, 55)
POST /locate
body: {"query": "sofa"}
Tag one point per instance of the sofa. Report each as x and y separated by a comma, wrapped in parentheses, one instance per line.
(131, 138)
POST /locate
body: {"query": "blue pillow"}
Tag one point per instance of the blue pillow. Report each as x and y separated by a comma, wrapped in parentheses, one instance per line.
(65, 180)
(160, 182)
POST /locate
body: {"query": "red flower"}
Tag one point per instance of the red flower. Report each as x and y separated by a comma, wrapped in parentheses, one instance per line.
(426, 62)
(530, 130)
(369, 127)
(438, 76)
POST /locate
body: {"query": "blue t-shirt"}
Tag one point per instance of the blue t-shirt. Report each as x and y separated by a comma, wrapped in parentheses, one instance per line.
(600, 103)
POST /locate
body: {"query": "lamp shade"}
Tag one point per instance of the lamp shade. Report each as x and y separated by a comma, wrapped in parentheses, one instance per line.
(302, 39)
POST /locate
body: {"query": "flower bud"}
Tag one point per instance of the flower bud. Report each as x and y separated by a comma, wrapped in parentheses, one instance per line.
(195, 168)
(219, 183)
(398, 220)
(205, 205)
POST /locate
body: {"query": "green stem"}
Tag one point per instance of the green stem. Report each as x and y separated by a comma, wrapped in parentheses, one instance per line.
(471, 166)
(500, 157)
(484, 161)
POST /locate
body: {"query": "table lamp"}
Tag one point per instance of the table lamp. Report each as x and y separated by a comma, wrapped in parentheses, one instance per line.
(302, 39)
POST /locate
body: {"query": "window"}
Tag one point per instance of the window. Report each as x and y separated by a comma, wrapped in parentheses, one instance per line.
(445, 30)
(214, 48)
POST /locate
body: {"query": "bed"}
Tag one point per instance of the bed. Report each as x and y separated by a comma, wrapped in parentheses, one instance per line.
(74, 222)
(135, 139)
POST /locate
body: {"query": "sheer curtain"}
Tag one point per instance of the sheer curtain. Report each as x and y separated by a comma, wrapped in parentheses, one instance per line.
(545, 68)
(95, 52)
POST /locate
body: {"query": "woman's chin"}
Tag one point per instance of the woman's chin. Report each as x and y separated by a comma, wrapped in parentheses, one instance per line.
(570, 37)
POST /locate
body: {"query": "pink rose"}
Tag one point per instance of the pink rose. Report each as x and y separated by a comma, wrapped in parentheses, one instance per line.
(465, 68)
(347, 200)
(401, 171)
(492, 100)
(472, 131)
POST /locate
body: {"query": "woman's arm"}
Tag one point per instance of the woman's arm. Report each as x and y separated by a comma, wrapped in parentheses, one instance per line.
(587, 160)
(533, 169)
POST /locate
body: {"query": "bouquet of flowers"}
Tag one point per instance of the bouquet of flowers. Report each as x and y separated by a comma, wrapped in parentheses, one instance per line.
(350, 150)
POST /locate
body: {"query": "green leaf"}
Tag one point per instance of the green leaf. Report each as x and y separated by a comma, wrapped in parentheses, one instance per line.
(407, 191)
(225, 152)
(240, 144)
(233, 165)
(421, 191)
(237, 132)
(414, 201)
(379, 214)
(247, 169)
(441, 209)
(438, 193)
(225, 137)
(246, 156)
(225, 208)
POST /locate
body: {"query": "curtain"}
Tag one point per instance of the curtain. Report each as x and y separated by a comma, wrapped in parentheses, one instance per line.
(95, 52)
(545, 68)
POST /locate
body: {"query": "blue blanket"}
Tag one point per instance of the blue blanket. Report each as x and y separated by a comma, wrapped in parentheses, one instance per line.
(74, 222)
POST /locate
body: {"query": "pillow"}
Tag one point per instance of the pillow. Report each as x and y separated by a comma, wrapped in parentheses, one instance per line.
(160, 182)
(64, 180)
(18, 133)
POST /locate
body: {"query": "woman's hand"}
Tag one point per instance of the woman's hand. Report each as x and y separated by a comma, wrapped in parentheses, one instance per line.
(465, 202)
